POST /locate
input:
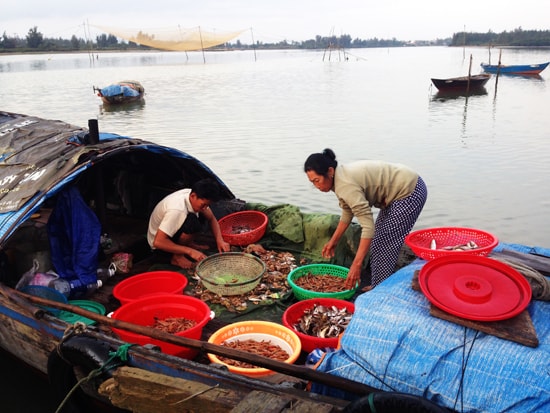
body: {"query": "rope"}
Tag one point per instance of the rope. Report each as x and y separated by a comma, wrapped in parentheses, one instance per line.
(465, 358)
(71, 330)
(90, 376)
(116, 358)
(373, 375)
(371, 403)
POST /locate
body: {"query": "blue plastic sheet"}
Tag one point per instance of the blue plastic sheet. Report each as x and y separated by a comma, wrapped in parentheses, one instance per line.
(115, 90)
(394, 344)
(74, 232)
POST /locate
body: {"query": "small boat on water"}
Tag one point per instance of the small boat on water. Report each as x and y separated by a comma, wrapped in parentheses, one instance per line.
(463, 83)
(126, 91)
(533, 69)
(397, 354)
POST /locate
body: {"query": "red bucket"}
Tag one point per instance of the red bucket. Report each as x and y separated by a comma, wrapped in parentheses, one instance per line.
(149, 283)
(145, 310)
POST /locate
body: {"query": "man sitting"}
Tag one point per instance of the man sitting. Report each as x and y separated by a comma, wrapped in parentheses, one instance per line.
(176, 220)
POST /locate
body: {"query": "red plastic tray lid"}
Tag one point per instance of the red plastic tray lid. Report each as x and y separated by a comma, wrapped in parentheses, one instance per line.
(475, 287)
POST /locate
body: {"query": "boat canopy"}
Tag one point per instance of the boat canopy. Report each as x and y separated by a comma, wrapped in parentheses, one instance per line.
(39, 158)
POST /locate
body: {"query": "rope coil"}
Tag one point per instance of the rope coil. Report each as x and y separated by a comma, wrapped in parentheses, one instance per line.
(116, 359)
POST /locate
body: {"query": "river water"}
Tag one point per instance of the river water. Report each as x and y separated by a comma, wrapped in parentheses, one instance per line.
(254, 116)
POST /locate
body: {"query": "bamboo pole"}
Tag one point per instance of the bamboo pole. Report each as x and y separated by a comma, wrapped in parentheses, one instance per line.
(469, 74)
(301, 372)
(499, 62)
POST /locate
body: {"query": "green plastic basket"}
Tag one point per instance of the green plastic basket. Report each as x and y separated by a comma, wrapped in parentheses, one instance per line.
(330, 269)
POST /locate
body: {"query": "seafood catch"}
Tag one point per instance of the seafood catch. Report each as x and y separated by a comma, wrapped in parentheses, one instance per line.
(470, 245)
(324, 322)
(322, 283)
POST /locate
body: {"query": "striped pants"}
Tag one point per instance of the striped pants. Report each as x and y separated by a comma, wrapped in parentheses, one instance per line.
(392, 225)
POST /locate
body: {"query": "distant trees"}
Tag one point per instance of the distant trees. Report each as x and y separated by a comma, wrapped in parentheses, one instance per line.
(518, 37)
(104, 41)
(35, 41)
(34, 38)
(75, 42)
(8, 42)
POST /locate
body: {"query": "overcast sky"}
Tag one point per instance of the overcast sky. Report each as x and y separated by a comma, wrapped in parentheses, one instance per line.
(277, 20)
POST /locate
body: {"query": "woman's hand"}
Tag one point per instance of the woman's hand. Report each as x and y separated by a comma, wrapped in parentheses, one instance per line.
(354, 277)
(328, 250)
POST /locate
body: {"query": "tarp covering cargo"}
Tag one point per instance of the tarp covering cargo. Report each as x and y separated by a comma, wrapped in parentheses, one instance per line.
(394, 344)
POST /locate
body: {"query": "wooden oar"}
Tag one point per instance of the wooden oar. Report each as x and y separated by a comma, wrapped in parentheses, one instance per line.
(301, 372)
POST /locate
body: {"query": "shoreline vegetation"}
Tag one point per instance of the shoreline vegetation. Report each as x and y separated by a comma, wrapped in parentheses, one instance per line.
(35, 42)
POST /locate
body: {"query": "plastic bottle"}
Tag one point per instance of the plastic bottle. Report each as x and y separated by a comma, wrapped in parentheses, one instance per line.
(74, 288)
(106, 273)
(61, 285)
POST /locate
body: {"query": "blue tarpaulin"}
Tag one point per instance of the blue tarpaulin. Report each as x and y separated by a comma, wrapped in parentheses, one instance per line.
(115, 90)
(394, 344)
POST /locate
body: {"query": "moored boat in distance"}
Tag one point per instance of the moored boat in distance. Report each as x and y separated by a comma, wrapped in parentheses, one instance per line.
(463, 83)
(532, 69)
(126, 91)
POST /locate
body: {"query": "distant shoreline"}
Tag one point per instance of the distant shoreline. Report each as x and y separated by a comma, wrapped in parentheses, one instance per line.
(125, 50)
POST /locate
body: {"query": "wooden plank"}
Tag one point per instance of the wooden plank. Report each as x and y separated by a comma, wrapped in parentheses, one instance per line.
(142, 391)
(257, 401)
(303, 406)
(519, 329)
(270, 403)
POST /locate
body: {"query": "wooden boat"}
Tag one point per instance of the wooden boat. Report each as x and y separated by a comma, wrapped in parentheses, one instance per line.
(126, 91)
(533, 69)
(463, 83)
(121, 179)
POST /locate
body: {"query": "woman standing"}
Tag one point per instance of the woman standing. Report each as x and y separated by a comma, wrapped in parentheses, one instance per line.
(399, 193)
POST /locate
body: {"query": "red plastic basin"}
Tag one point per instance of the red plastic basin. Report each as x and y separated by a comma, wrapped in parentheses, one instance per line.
(161, 306)
(149, 283)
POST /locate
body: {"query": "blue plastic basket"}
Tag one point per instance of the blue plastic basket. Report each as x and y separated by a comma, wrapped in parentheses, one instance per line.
(48, 294)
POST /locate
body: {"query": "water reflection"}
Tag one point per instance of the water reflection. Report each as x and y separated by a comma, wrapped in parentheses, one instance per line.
(38, 65)
(534, 77)
(124, 107)
(451, 101)
(443, 96)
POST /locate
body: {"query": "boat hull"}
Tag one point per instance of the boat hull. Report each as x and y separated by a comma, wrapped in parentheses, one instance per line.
(533, 69)
(127, 177)
(122, 179)
(463, 83)
(128, 91)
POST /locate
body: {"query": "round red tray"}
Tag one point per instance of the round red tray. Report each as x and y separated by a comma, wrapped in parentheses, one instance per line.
(475, 287)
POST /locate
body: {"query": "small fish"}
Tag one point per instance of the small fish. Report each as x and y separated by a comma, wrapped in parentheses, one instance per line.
(433, 245)
(470, 245)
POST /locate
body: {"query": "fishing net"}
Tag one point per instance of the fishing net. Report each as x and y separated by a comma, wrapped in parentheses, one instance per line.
(174, 38)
